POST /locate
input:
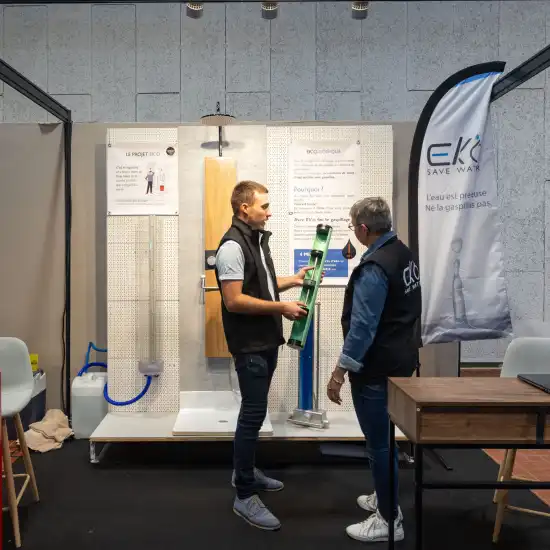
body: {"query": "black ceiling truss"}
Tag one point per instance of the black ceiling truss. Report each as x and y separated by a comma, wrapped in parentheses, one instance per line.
(522, 73)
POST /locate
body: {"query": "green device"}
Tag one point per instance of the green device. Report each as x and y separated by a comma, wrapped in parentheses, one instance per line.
(317, 257)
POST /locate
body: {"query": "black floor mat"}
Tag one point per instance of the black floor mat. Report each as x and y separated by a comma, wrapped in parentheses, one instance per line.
(178, 496)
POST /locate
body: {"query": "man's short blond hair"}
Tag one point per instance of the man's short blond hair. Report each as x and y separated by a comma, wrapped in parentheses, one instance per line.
(244, 193)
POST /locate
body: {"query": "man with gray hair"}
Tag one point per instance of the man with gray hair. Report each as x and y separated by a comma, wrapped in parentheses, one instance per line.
(382, 306)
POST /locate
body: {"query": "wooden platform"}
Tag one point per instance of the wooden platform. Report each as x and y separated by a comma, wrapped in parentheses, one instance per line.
(143, 426)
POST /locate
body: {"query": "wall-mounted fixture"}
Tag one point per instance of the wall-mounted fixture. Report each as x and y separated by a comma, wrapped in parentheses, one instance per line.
(270, 10)
(359, 10)
(195, 9)
(220, 120)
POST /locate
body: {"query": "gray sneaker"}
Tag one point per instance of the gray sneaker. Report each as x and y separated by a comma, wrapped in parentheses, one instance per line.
(263, 482)
(254, 511)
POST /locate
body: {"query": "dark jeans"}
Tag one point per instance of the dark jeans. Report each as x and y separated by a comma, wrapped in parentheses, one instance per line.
(254, 371)
(371, 406)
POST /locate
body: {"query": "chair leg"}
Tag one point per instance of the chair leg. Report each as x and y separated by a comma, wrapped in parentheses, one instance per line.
(502, 494)
(10, 484)
(26, 455)
(500, 472)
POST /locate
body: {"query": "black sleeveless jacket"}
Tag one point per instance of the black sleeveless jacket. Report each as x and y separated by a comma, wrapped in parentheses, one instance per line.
(247, 333)
(394, 350)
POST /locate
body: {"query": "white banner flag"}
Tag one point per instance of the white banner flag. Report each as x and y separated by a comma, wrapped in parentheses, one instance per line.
(459, 237)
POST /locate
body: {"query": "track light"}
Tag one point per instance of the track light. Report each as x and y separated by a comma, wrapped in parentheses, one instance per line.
(195, 9)
(269, 10)
(359, 10)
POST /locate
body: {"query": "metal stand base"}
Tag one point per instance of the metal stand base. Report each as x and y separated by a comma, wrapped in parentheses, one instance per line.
(311, 419)
(94, 457)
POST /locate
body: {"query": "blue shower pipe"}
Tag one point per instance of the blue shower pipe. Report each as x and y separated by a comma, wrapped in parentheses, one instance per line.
(87, 365)
(305, 377)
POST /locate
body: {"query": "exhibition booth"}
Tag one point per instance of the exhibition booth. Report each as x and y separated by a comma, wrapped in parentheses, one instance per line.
(138, 211)
(145, 306)
(162, 302)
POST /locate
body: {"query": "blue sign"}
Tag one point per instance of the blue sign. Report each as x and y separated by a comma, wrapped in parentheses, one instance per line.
(335, 264)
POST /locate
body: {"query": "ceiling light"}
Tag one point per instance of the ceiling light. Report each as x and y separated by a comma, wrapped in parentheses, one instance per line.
(195, 9)
(269, 10)
(359, 10)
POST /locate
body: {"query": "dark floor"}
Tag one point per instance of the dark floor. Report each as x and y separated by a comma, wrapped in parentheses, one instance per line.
(178, 496)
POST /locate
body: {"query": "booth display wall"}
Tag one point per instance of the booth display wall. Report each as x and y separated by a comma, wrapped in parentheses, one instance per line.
(32, 244)
(257, 150)
(132, 243)
(376, 179)
(247, 147)
(33, 300)
(262, 153)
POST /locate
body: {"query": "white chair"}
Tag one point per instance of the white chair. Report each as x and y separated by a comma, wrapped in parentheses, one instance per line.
(16, 383)
(526, 355)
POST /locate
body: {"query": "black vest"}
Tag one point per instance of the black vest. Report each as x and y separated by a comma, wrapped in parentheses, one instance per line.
(394, 350)
(247, 333)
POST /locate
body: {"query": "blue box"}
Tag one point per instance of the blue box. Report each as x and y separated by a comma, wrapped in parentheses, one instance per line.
(335, 264)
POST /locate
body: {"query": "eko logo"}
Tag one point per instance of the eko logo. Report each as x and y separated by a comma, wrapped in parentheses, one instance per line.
(411, 277)
(465, 150)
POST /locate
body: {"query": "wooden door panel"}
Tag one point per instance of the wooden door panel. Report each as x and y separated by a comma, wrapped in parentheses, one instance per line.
(220, 178)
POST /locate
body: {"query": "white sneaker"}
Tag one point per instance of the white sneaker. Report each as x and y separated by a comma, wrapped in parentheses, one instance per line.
(370, 504)
(375, 529)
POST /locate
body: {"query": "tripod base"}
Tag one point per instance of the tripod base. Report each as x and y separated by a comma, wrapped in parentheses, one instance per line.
(311, 419)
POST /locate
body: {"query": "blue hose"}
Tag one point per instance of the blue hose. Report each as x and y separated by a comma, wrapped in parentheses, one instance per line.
(129, 402)
(88, 365)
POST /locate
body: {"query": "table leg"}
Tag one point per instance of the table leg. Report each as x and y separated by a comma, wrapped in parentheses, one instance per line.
(391, 523)
(418, 476)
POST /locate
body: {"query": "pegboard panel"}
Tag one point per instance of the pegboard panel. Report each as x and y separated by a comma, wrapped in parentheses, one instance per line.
(159, 397)
(135, 244)
(141, 135)
(376, 179)
(377, 161)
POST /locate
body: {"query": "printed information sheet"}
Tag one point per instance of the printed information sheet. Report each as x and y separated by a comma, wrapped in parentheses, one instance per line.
(324, 182)
(142, 179)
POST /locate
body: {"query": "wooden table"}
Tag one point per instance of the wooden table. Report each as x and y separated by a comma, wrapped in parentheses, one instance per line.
(501, 413)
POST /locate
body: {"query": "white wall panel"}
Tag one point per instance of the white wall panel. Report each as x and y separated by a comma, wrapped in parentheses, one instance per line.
(376, 179)
(130, 337)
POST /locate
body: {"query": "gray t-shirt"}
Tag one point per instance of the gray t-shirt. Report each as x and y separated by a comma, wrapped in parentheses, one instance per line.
(230, 264)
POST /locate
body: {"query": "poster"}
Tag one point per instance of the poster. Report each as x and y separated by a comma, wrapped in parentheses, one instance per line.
(324, 182)
(459, 232)
(142, 179)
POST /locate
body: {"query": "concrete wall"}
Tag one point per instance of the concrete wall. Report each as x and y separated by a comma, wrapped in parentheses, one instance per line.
(151, 63)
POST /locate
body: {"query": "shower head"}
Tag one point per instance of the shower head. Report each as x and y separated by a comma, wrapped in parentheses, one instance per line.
(218, 118)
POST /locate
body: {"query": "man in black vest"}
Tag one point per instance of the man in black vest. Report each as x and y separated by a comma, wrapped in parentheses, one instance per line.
(252, 321)
(382, 306)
